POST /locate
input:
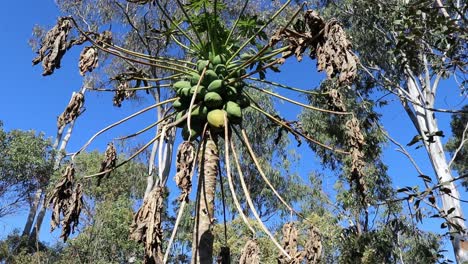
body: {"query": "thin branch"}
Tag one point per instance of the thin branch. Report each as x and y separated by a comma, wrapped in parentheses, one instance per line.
(251, 205)
(459, 148)
(122, 121)
(229, 176)
(298, 103)
(292, 130)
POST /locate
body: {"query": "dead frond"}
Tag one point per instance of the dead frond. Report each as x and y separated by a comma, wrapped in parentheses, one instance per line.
(356, 142)
(290, 245)
(53, 46)
(108, 163)
(250, 254)
(88, 60)
(146, 226)
(72, 111)
(184, 165)
(313, 247)
(67, 200)
(327, 43)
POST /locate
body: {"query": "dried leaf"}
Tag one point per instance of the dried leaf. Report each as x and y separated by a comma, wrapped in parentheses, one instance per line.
(250, 254)
(146, 226)
(290, 245)
(108, 163)
(88, 60)
(184, 165)
(66, 200)
(313, 247)
(72, 111)
(53, 46)
(327, 43)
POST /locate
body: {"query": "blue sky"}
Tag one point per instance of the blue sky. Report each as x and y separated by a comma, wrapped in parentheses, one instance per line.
(31, 101)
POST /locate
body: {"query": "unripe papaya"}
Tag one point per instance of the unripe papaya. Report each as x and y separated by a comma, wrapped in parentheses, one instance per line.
(231, 93)
(181, 84)
(200, 94)
(178, 105)
(195, 130)
(179, 116)
(210, 76)
(243, 101)
(216, 118)
(200, 112)
(201, 64)
(216, 86)
(213, 100)
(233, 111)
(194, 78)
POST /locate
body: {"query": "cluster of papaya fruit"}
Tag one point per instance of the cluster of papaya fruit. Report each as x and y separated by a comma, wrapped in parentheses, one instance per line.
(218, 93)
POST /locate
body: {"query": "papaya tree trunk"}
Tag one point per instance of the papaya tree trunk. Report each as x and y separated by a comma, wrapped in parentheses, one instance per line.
(202, 244)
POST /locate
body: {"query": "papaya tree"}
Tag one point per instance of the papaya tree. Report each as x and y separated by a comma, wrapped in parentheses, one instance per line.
(203, 96)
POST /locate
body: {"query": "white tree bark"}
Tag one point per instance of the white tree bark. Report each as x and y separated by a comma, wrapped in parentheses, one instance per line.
(425, 122)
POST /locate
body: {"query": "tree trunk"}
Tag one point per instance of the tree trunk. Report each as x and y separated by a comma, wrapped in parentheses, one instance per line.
(202, 244)
(425, 122)
(32, 212)
(40, 217)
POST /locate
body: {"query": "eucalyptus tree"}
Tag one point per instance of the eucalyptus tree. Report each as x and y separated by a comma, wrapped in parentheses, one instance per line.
(198, 61)
(407, 48)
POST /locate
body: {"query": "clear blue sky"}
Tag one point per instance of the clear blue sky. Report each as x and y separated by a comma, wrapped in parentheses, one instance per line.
(30, 101)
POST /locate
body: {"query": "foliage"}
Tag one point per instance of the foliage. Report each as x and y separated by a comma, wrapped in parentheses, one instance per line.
(25, 165)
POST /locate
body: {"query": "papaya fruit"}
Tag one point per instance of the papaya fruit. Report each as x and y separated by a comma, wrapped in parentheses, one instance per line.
(213, 100)
(201, 64)
(216, 86)
(200, 94)
(181, 84)
(195, 130)
(199, 112)
(179, 116)
(233, 111)
(231, 93)
(210, 76)
(216, 118)
(243, 101)
(194, 78)
(178, 105)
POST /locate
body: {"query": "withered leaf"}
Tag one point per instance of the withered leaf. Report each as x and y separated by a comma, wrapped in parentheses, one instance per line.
(184, 166)
(108, 163)
(146, 226)
(250, 254)
(66, 200)
(72, 111)
(53, 46)
(88, 60)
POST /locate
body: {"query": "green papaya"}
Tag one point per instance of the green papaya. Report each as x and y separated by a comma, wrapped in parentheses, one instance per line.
(210, 76)
(216, 86)
(201, 64)
(213, 100)
(221, 69)
(216, 118)
(178, 105)
(243, 101)
(200, 94)
(195, 130)
(234, 112)
(181, 84)
(218, 59)
(231, 93)
(199, 112)
(194, 78)
(178, 117)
